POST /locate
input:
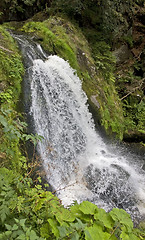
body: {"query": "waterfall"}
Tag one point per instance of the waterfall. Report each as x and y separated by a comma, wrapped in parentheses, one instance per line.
(78, 163)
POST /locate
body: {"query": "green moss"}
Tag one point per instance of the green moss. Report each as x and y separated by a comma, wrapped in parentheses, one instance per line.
(11, 71)
(111, 112)
(51, 42)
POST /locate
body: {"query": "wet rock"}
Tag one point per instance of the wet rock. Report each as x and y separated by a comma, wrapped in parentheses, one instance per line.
(143, 167)
(94, 100)
(122, 172)
(134, 137)
(84, 62)
(122, 54)
(92, 176)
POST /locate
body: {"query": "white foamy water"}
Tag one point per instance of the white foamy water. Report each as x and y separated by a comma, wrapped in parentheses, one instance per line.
(79, 165)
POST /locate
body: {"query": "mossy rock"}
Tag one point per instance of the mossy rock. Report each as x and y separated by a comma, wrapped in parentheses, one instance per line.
(58, 35)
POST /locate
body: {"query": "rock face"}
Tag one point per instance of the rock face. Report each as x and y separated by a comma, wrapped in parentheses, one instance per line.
(94, 100)
(122, 54)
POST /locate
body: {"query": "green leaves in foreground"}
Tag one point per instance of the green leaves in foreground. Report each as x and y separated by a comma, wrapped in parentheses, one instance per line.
(29, 212)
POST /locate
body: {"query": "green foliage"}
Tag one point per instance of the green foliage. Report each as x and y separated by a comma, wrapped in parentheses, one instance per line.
(70, 7)
(11, 71)
(134, 115)
(111, 108)
(140, 2)
(29, 212)
(11, 67)
(51, 42)
(131, 91)
(18, 6)
(104, 59)
(129, 40)
(13, 132)
(19, 231)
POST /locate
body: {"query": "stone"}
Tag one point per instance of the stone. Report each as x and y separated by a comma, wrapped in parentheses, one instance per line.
(143, 167)
(122, 54)
(94, 100)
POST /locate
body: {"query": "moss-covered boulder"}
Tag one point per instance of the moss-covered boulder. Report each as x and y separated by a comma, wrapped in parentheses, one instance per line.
(59, 36)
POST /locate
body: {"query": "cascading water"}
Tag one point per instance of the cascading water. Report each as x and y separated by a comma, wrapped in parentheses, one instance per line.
(78, 164)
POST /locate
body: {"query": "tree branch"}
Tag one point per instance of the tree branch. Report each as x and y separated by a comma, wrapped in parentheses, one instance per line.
(133, 90)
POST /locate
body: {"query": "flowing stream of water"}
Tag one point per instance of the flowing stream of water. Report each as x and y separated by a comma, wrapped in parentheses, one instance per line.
(79, 165)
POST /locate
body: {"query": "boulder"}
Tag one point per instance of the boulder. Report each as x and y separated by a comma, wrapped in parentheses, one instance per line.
(122, 54)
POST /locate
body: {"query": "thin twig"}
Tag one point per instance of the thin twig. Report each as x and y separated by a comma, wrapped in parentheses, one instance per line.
(5, 49)
(57, 190)
(114, 230)
(133, 90)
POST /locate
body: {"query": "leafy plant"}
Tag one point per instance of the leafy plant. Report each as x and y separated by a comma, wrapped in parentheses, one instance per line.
(30, 212)
(19, 231)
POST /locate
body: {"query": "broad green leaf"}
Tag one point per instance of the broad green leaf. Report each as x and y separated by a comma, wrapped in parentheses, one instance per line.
(95, 233)
(123, 217)
(133, 237)
(75, 236)
(33, 235)
(3, 121)
(88, 207)
(4, 212)
(63, 231)
(78, 225)
(16, 220)
(8, 233)
(130, 236)
(124, 236)
(104, 217)
(21, 237)
(75, 210)
(20, 232)
(1, 236)
(22, 222)
(54, 228)
(15, 227)
(8, 227)
(44, 231)
(79, 214)
(64, 215)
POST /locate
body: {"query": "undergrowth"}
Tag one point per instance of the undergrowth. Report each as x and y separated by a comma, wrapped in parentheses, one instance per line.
(131, 90)
(111, 107)
(27, 211)
(11, 71)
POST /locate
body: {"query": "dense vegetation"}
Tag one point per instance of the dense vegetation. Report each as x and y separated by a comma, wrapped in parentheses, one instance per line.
(29, 212)
(85, 33)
